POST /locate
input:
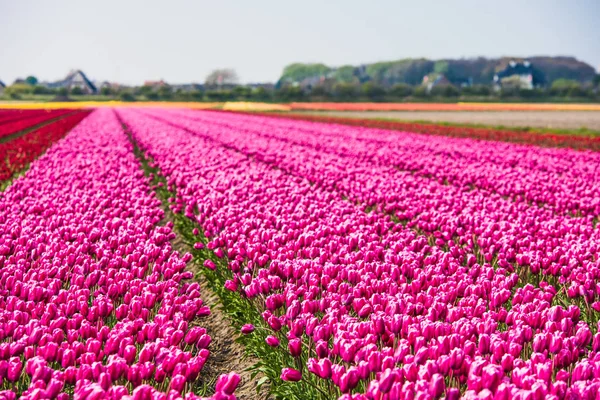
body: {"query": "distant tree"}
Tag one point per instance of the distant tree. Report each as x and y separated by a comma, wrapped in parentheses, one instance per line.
(219, 95)
(127, 96)
(76, 91)
(477, 90)
(145, 90)
(509, 91)
(261, 94)
(197, 95)
(401, 90)
(106, 91)
(31, 80)
(181, 95)
(563, 87)
(153, 96)
(445, 91)
(373, 91)
(319, 91)
(577, 91)
(63, 91)
(345, 74)
(220, 77)
(165, 92)
(214, 95)
(345, 91)
(38, 89)
(290, 93)
(441, 67)
(597, 80)
(19, 89)
(297, 72)
(420, 91)
(530, 93)
(241, 92)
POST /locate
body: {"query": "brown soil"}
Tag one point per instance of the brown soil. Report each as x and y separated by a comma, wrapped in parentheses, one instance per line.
(537, 119)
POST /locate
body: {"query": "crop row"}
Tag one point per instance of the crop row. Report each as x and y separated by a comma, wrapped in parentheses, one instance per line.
(477, 223)
(9, 115)
(12, 126)
(15, 154)
(94, 301)
(562, 179)
(442, 106)
(473, 293)
(430, 129)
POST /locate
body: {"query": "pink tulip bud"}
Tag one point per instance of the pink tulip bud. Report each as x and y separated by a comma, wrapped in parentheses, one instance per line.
(129, 354)
(14, 369)
(295, 347)
(387, 380)
(177, 383)
(227, 383)
(231, 285)
(209, 264)
(203, 342)
(272, 341)
(291, 375)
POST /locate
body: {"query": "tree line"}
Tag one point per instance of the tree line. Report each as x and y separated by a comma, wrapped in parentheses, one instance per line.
(221, 85)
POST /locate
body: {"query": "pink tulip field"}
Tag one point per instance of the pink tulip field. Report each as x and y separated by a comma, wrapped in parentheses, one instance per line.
(353, 263)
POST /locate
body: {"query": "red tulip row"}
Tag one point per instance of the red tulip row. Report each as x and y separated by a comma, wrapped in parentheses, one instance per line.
(8, 115)
(17, 153)
(12, 126)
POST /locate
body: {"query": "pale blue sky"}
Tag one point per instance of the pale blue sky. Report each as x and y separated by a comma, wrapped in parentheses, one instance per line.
(182, 41)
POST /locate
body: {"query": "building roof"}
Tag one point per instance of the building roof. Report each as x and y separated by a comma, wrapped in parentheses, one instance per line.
(69, 79)
(436, 79)
(2, 84)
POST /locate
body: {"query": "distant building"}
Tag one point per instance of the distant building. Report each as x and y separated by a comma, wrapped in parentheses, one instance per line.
(156, 84)
(520, 75)
(75, 79)
(434, 80)
(20, 81)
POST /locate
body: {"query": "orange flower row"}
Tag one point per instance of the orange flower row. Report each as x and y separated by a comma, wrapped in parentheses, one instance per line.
(444, 107)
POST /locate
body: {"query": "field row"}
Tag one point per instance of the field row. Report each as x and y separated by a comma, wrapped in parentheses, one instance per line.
(26, 134)
(381, 307)
(95, 302)
(537, 138)
(356, 263)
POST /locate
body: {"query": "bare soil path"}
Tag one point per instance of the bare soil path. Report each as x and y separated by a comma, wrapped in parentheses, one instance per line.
(533, 119)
